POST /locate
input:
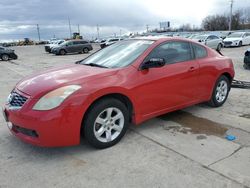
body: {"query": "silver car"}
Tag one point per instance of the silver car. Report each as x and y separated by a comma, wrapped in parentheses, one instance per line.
(211, 41)
(72, 46)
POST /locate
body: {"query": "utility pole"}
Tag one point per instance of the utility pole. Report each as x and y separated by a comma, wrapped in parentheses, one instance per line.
(70, 33)
(38, 31)
(120, 32)
(78, 29)
(98, 31)
(147, 27)
(231, 14)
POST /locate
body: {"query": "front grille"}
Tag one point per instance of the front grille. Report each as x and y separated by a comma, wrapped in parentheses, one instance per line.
(227, 42)
(16, 100)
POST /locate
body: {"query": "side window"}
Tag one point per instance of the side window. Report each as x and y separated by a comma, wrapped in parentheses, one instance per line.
(173, 52)
(214, 37)
(76, 42)
(210, 38)
(70, 43)
(200, 52)
(84, 42)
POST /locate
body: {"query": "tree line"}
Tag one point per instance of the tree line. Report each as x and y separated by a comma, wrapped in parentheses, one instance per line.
(240, 20)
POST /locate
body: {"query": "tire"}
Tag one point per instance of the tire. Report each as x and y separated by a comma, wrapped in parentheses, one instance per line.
(219, 47)
(85, 50)
(5, 57)
(100, 129)
(62, 52)
(240, 44)
(220, 92)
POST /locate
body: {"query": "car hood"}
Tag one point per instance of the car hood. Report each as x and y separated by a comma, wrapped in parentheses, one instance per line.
(232, 39)
(39, 84)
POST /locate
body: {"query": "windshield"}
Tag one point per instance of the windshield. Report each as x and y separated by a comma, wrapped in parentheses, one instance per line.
(63, 43)
(200, 37)
(235, 35)
(119, 54)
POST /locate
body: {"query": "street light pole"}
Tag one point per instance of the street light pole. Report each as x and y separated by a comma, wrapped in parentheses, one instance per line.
(70, 28)
(98, 31)
(38, 31)
(231, 14)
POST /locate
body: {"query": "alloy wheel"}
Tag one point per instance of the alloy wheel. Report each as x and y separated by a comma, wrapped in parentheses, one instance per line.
(109, 124)
(221, 91)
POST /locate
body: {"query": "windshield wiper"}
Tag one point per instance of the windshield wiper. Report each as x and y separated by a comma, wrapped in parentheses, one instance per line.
(95, 65)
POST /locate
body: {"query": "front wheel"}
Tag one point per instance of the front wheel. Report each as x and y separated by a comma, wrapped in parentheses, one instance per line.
(5, 57)
(106, 123)
(220, 92)
(219, 47)
(62, 52)
(240, 44)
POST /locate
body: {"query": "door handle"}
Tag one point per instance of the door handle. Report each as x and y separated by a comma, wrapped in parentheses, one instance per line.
(191, 69)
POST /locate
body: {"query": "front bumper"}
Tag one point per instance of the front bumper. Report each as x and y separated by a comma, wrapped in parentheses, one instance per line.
(13, 56)
(58, 127)
(231, 43)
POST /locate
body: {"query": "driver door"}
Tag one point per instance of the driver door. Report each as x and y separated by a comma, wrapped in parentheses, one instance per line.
(172, 85)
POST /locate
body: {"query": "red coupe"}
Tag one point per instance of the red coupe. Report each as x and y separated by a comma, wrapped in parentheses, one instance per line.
(128, 82)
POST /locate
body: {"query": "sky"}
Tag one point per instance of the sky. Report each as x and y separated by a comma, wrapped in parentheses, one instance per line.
(18, 18)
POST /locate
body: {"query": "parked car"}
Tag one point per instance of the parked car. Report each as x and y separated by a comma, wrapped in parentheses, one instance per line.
(237, 39)
(109, 42)
(48, 47)
(246, 64)
(211, 41)
(6, 54)
(128, 82)
(72, 46)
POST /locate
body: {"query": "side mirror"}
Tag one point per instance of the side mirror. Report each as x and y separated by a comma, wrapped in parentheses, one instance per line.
(153, 63)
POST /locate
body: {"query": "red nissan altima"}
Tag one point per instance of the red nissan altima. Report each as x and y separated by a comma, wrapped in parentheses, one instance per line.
(130, 81)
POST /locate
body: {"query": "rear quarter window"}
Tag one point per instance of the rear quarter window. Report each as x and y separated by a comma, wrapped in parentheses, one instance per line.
(199, 51)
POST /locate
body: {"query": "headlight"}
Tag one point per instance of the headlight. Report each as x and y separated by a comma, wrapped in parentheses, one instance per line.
(54, 98)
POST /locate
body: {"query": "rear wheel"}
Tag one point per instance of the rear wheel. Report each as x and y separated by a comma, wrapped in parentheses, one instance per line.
(62, 52)
(106, 123)
(85, 50)
(220, 92)
(5, 57)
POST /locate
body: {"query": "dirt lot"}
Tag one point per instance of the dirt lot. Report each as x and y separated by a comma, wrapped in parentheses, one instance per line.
(181, 149)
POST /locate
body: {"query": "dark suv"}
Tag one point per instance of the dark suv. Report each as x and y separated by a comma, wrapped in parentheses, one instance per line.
(6, 54)
(72, 46)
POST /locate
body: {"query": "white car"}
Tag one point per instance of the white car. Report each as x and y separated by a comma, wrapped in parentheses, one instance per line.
(48, 47)
(237, 39)
(109, 42)
(211, 41)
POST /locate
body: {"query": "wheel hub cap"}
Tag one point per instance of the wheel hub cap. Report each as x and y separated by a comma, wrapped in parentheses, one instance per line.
(221, 91)
(109, 124)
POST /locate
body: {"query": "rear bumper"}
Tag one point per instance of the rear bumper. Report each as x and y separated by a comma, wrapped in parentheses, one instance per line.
(247, 60)
(47, 49)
